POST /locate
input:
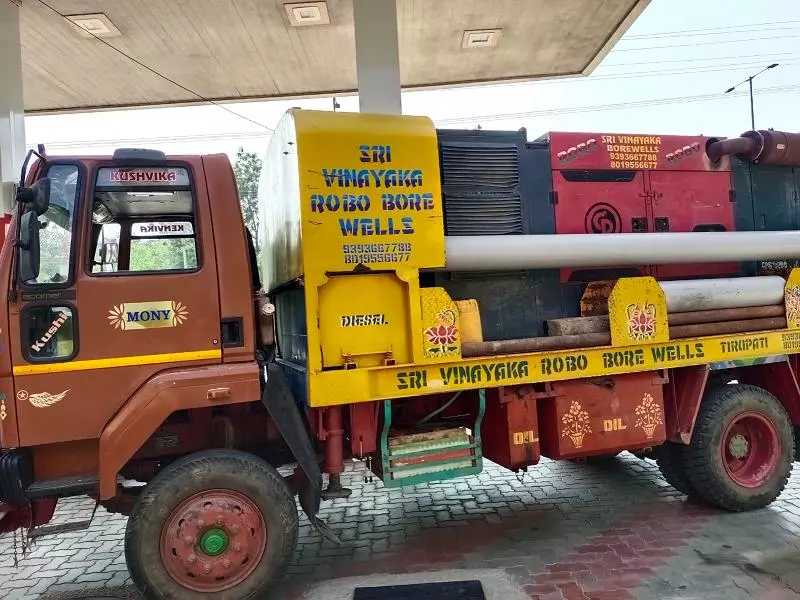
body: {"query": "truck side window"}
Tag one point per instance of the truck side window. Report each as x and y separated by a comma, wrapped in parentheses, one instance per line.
(48, 333)
(165, 246)
(144, 221)
(55, 235)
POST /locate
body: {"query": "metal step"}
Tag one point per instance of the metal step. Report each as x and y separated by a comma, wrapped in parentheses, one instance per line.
(44, 530)
(439, 453)
(62, 487)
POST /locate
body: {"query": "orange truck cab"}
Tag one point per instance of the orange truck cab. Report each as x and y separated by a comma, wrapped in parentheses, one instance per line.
(129, 337)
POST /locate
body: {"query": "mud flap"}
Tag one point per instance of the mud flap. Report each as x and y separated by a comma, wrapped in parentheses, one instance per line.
(278, 400)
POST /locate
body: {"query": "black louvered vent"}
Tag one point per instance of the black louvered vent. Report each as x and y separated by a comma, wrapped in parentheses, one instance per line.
(480, 183)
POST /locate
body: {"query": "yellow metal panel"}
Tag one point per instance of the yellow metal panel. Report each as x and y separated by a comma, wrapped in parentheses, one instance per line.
(369, 199)
(441, 326)
(339, 387)
(370, 191)
(637, 312)
(791, 297)
(470, 317)
(363, 319)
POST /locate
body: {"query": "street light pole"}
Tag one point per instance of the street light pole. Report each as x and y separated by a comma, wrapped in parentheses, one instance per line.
(749, 80)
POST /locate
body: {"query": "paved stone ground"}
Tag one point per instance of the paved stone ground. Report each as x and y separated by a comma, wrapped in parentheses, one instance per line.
(568, 531)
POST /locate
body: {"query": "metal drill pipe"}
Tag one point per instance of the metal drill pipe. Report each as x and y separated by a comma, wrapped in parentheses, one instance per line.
(601, 324)
(689, 295)
(590, 340)
(504, 252)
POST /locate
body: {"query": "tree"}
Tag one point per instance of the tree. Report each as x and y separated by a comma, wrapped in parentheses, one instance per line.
(163, 255)
(248, 172)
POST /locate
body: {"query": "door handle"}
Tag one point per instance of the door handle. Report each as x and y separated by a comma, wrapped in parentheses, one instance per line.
(219, 393)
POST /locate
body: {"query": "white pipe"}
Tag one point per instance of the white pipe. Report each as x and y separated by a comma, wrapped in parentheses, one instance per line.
(716, 294)
(503, 252)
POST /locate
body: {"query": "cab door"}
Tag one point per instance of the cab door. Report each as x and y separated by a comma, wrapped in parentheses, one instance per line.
(128, 291)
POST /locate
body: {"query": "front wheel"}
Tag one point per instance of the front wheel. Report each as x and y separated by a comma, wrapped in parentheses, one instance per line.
(216, 524)
(742, 448)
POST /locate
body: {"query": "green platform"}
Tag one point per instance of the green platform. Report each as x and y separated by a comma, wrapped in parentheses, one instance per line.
(432, 453)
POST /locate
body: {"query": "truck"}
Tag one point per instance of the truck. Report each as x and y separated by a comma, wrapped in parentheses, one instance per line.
(419, 300)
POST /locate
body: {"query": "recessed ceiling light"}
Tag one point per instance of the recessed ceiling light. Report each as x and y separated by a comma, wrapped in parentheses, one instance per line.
(307, 13)
(480, 38)
(94, 25)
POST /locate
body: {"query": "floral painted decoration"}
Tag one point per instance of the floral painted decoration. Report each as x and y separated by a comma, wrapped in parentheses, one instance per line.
(641, 321)
(793, 304)
(648, 415)
(576, 424)
(444, 334)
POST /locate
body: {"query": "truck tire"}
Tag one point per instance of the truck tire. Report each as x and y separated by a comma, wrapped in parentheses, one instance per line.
(742, 449)
(669, 458)
(218, 524)
(796, 444)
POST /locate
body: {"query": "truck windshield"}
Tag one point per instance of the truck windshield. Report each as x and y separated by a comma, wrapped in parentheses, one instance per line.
(144, 221)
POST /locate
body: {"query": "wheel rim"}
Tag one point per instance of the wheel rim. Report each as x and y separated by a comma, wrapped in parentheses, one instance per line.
(750, 449)
(213, 540)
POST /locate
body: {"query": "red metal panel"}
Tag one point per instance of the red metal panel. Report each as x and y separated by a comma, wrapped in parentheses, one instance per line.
(35, 514)
(682, 398)
(603, 415)
(598, 207)
(669, 184)
(5, 222)
(692, 201)
(631, 152)
(510, 427)
(363, 428)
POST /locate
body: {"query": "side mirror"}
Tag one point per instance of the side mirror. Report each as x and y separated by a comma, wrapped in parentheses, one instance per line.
(109, 253)
(36, 196)
(28, 257)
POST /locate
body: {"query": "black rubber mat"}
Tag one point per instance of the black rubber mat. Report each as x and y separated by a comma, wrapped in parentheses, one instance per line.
(446, 590)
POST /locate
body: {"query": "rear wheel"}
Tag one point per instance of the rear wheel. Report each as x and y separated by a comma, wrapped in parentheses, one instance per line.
(742, 448)
(218, 524)
(796, 444)
(669, 459)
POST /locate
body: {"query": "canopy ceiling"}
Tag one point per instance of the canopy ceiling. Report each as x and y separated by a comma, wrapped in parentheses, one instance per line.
(254, 49)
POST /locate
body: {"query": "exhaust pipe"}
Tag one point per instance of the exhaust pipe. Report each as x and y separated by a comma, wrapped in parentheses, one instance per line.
(762, 147)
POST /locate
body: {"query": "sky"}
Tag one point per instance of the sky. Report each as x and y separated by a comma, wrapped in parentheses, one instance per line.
(667, 75)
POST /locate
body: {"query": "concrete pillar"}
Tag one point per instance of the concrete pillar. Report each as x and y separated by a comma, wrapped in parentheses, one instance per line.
(12, 123)
(377, 56)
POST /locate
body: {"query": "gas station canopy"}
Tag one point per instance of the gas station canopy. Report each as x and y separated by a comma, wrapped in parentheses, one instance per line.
(260, 49)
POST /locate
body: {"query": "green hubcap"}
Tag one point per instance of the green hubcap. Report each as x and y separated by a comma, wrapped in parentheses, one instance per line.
(738, 446)
(214, 542)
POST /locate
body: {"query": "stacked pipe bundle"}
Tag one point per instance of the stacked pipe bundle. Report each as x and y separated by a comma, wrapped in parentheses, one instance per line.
(695, 308)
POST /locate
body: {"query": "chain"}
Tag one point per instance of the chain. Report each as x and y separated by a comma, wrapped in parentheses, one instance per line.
(368, 474)
(367, 463)
(520, 475)
(16, 557)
